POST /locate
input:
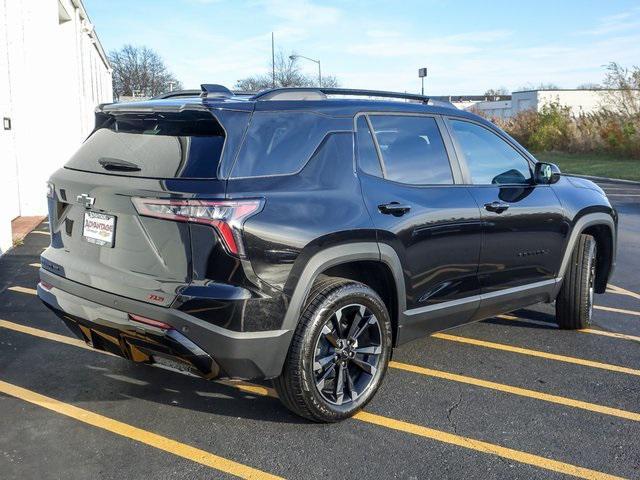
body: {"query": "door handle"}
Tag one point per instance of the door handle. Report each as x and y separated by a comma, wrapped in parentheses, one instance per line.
(496, 206)
(394, 208)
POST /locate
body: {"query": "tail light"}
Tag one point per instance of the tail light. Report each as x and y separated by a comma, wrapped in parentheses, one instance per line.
(226, 216)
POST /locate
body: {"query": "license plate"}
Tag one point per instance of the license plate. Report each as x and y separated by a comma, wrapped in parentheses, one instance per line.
(99, 228)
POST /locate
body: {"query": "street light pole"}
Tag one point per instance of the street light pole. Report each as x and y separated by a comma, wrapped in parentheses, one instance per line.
(293, 57)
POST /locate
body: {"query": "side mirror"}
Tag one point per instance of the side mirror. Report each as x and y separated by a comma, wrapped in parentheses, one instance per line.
(546, 173)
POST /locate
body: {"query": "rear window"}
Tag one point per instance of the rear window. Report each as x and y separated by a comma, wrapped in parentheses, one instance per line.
(155, 145)
(279, 143)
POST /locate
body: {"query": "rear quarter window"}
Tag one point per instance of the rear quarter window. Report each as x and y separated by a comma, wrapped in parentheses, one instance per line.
(279, 143)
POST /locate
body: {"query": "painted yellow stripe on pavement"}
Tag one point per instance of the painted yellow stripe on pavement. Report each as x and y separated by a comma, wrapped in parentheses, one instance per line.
(537, 353)
(36, 332)
(622, 291)
(30, 291)
(426, 432)
(484, 447)
(134, 433)
(265, 391)
(617, 310)
(604, 333)
(37, 265)
(523, 392)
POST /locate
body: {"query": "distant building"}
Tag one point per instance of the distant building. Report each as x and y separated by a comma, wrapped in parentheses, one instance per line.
(465, 102)
(53, 73)
(578, 101)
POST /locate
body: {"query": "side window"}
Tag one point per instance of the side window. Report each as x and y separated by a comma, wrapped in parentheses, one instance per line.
(412, 149)
(490, 159)
(278, 143)
(367, 154)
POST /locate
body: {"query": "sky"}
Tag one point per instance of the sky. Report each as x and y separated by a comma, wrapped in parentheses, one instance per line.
(467, 46)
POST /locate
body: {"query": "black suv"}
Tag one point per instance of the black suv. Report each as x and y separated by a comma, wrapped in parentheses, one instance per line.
(300, 234)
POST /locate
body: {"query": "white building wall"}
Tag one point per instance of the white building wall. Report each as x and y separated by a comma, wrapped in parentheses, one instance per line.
(579, 101)
(494, 109)
(53, 73)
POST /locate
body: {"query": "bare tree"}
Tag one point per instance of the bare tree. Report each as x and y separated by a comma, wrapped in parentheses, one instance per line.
(494, 93)
(589, 86)
(139, 71)
(287, 74)
(623, 90)
(540, 86)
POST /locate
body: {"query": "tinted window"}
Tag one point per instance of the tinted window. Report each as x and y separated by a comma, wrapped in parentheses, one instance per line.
(185, 145)
(279, 143)
(412, 149)
(490, 159)
(367, 154)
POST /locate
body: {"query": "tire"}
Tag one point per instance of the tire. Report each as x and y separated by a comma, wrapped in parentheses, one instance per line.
(574, 304)
(320, 355)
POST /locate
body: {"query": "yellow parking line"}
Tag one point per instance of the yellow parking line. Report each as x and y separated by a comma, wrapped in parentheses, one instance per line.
(617, 310)
(523, 392)
(16, 288)
(37, 265)
(622, 291)
(604, 333)
(265, 391)
(537, 353)
(484, 447)
(387, 422)
(36, 332)
(134, 433)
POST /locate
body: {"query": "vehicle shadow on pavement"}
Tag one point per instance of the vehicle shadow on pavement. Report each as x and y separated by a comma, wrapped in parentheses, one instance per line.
(155, 385)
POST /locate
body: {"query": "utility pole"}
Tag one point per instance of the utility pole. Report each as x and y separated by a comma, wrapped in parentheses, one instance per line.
(273, 63)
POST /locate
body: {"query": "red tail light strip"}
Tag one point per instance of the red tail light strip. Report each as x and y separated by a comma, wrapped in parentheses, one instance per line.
(226, 216)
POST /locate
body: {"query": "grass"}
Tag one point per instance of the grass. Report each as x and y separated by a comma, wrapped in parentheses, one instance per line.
(596, 164)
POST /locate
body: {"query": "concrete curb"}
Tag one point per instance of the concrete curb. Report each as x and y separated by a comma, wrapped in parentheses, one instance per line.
(605, 179)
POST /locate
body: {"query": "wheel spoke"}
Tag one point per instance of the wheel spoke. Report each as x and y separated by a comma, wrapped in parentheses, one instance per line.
(372, 321)
(320, 363)
(372, 350)
(339, 387)
(330, 336)
(337, 320)
(366, 367)
(352, 389)
(357, 318)
(323, 378)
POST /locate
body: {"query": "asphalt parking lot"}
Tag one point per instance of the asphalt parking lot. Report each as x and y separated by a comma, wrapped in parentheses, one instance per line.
(510, 397)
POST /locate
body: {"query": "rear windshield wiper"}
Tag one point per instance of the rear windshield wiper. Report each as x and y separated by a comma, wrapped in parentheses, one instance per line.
(118, 165)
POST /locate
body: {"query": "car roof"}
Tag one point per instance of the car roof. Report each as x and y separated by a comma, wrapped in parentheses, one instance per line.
(342, 103)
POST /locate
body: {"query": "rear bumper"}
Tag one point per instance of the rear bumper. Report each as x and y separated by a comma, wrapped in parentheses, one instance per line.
(193, 345)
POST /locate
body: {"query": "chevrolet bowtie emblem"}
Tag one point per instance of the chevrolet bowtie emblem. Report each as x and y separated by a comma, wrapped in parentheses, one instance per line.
(85, 200)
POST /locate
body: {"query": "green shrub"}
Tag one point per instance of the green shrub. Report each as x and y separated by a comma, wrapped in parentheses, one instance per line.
(554, 128)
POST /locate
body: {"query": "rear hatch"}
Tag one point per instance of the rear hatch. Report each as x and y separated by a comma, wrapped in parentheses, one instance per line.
(98, 237)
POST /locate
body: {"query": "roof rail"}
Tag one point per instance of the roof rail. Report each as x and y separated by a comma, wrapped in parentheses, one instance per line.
(214, 90)
(315, 93)
(177, 93)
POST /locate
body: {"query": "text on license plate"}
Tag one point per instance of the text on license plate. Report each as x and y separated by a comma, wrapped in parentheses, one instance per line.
(99, 228)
